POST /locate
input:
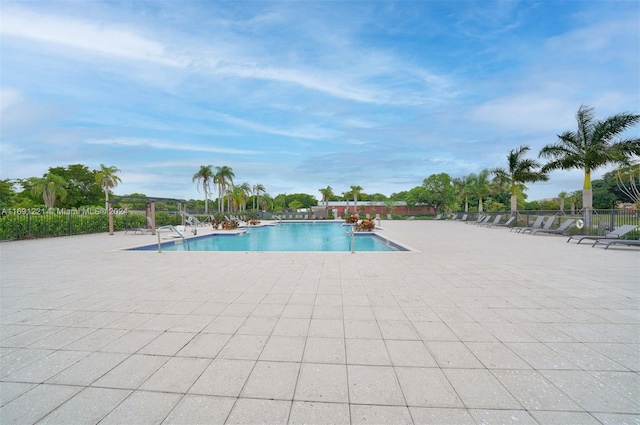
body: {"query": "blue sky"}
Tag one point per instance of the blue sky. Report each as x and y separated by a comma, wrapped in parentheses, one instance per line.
(298, 95)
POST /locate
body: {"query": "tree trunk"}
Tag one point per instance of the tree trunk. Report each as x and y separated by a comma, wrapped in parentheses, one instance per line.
(514, 204)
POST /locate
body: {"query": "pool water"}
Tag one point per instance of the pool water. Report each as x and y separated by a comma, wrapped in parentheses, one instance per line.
(287, 237)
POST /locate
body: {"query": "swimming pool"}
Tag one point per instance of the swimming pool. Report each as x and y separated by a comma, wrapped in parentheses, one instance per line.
(285, 237)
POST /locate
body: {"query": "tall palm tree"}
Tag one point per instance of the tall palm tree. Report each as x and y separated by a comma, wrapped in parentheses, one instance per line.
(520, 170)
(50, 187)
(346, 196)
(259, 188)
(464, 187)
(204, 177)
(594, 145)
(355, 191)
(244, 190)
(223, 178)
(480, 186)
(562, 197)
(107, 179)
(327, 193)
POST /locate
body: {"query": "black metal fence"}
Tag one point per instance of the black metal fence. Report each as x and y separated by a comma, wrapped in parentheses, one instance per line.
(600, 222)
(31, 223)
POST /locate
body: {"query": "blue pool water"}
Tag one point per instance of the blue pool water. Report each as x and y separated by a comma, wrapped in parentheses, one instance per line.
(286, 237)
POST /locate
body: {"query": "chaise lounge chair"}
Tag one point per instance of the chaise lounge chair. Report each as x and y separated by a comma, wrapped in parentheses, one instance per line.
(547, 225)
(614, 234)
(559, 231)
(495, 221)
(135, 230)
(506, 224)
(484, 221)
(609, 242)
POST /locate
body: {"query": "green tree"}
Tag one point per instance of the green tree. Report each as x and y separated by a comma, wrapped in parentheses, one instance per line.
(257, 190)
(8, 195)
(204, 178)
(295, 205)
(50, 187)
(480, 186)
(604, 196)
(107, 179)
(520, 170)
(355, 191)
(562, 199)
(224, 179)
(439, 191)
(594, 145)
(327, 193)
(82, 187)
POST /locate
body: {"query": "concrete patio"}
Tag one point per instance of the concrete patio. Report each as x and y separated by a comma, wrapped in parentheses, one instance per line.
(477, 325)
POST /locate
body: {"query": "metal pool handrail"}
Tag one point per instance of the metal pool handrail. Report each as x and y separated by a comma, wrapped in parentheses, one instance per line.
(184, 241)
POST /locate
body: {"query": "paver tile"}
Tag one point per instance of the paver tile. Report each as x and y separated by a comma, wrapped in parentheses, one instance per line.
(132, 372)
(391, 415)
(322, 383)
(177, 375)
(36, 404)
(200, 409)
(374, 385)
(367, 352)
(88, 406)
(272, 380)
(426, 387)
(283, 349)
(204, 345)
(258, 411)
(409, 353)
(223, 377)
(440, 416)
(308, 412)
(325, 350)
(478, 389)
(143, 407)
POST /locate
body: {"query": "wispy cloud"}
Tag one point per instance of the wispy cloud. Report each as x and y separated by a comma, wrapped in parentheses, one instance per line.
(94, 36)
(162, 145)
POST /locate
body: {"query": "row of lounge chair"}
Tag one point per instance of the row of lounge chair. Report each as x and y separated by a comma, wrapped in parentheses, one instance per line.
(544, 225)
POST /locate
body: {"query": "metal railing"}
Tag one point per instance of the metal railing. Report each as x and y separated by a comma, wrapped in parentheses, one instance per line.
(601, 220)
(172, 228)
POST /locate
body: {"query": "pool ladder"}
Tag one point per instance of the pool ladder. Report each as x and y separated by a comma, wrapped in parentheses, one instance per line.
(170, 227)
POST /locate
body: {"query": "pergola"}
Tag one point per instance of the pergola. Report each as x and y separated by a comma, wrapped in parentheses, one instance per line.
(150, 209)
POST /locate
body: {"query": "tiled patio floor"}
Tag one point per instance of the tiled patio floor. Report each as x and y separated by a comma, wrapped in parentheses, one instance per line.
(476, 326)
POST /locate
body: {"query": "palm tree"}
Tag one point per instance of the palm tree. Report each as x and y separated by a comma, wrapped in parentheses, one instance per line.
(107, 179)
(50, 187)
(464, 187)
(243, 191)
(574, 198)
(519, 171)
(480, 186)
(204, 177)
(327, 193)
(346, 196)
(592, 146)
(223, 178)
(355, 191)
(563, 197)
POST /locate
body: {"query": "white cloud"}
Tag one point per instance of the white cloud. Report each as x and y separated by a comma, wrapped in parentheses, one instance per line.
(157, 144)
(93, 36)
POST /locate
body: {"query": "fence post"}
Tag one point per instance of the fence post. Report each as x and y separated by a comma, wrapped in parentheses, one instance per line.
(70, 222)
(29, 221)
